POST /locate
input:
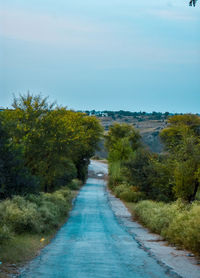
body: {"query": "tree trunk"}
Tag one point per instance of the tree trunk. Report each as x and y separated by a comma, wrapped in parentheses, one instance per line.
(192, 196)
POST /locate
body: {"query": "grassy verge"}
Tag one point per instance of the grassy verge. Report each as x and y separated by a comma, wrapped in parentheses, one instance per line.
(28, 223)
(177, 222)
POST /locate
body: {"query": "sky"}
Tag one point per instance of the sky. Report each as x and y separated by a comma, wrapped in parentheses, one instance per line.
(103, 55)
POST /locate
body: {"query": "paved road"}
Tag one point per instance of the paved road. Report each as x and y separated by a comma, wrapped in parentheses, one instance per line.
(92, 244)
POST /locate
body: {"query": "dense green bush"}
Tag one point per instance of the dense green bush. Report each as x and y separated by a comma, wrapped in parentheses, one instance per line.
(120, 189)
(128, 193)
(75, 184)
(20, 215)
(184, 230)
(33, 213)
(131, 196)
(5, 233)
(177, 222)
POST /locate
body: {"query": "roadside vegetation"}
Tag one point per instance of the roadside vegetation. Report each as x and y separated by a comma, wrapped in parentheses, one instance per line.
(44, 156)
(161, 190)
(34, 216)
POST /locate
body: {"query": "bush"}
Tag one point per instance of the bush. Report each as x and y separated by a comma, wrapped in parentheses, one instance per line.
(128, 193)
(75, 184)
(34, 213)
(177, 222)
(120, 189)
(21, 215)
(131, 196)
(184, 230)
(5, 233)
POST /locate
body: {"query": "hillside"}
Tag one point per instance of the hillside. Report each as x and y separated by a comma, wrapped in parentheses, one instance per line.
(148, 124)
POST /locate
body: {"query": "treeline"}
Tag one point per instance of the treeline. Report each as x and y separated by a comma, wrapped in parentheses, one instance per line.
(172, 179)
(43, 146)
(121, 113)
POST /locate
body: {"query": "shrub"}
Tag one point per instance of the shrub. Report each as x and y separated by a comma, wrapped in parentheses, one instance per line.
(157, 215)
(177, 222)
(131, 196)
(34, 213)
(75, 184)
(21, 215)
(184, 230)
(120, 189)
(5, 234)
(128, 193)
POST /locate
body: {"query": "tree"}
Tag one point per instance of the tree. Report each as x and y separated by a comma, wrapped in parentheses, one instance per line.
(15, 178)
(83, 134)
(56, 143)
(193, 3)
(180, 127)
(182, 141)
(121, 141)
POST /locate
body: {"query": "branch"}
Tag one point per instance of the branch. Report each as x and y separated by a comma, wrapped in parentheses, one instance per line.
(192, 2)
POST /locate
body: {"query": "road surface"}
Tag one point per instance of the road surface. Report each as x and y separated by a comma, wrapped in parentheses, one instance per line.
(93, 244)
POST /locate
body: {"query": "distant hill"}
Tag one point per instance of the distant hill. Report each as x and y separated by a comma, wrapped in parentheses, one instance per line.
(148, 124)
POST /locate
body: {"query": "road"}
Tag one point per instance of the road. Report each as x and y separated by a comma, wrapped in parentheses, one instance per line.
(93, 244)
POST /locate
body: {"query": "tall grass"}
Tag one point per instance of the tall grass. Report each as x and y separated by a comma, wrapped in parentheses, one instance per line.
(177, 222)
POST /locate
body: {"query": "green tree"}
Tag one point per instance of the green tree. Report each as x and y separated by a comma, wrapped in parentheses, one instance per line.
(56, 143)
(15, 178)
(121, 141)
(182, 141)
(151, 174)
(179, 128)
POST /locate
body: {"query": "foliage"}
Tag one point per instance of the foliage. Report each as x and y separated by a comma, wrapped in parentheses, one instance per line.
(122, 187)
(180, 127)
(54, 144)
(75, 184)
(151, 174)
(115, 174)
(131, 196)
(139, 174)
(5, 233)
(34, 214)
(182, 140)
(15, 177)
(121, 141)
(178, 222)
(164, 177)
(193, 3)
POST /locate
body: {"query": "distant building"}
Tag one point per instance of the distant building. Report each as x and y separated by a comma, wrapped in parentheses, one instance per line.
(103, 114)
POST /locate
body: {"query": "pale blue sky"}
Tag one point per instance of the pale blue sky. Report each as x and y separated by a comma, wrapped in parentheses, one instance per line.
(117, 54)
